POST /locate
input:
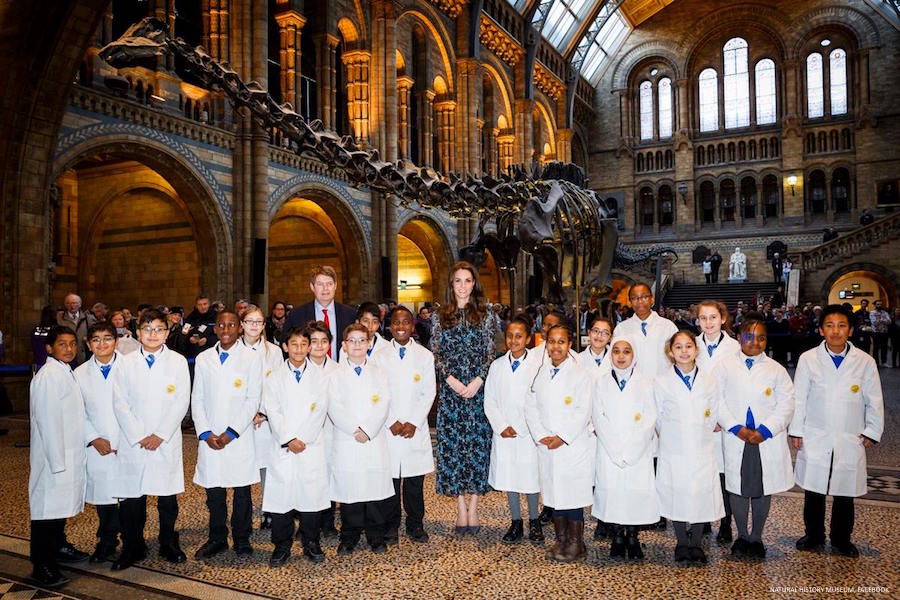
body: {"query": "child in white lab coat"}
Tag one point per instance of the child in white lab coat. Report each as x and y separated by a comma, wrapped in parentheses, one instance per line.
(409, 369)
(756, 409)
(715, 344)
(624, 417)
(687, 476)
(558, 413)
(296, 406)
(514, 456)
(839, 414)
(95, 379)
(225, 400)
(253, 322)
(358, 404)
(56, 483)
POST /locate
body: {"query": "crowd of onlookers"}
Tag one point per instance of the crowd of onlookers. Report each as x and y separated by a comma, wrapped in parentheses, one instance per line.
(792, 329)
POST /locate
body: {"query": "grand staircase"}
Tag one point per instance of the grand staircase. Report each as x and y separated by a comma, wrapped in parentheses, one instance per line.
(848, 245)
(682, 295)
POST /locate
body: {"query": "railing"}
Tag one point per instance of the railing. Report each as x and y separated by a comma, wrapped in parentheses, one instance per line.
(134, 112)
(850, 244)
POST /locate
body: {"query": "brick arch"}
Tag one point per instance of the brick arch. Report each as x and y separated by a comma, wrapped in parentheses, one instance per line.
(55, 35)
(344, 214)
(439, 34)
(884, 275)
(667, 51)
(737, 20)
(844, 17)
(204, 203)
(421, 229)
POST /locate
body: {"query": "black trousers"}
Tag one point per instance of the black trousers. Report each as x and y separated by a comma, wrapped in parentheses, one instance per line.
(725, 498)
(708, 277)
(842, 516)
(328, 516)
(47, 537)
(370, 516)
(241, 514)
(133, 515)
(109, 527)
(880, 347)
(283, 528)
(413, 500)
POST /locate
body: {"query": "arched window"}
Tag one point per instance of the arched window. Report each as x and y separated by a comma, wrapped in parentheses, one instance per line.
(770, 195)
(736, 84)
(646, 110)
(709, 100)
(815, 89)
(707, 202)
(817, 192)
(666, 206)
(664, 89)
(727, 197)
(837, 71)
(765, 92)
(840, 190)
(748, 198)
(648, 208)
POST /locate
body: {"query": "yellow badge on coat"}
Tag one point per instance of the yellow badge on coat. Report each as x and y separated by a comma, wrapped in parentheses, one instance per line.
(854, 388)
(417, 378)
(768, 391)
(170, 389)
(375, 399)
(268, 372)
(637, 417)
(568, 400)
(238, 383)
(312, 407)
(706, 413)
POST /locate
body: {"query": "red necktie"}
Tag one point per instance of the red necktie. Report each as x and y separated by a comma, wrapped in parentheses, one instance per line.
(328, 325)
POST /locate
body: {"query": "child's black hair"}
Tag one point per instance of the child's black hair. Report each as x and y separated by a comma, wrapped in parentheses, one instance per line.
(398, 308)
(522, 319)
(56, 331)
(150, 315)
(101, 326)
(836, 309)
(297, 331)
(370, 308)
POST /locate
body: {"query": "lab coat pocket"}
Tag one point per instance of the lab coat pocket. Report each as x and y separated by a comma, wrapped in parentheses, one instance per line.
(816, 448)
(849, 452)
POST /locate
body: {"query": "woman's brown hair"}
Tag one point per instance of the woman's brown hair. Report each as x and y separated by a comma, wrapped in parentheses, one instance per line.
(474, 309)
(723, 312)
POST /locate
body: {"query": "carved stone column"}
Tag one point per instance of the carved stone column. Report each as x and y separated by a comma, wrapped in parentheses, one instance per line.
(357, 66)
(506, 140)
(404, 86)
(524, 129)
(326, 74)
(290, 22)
(445, 110)
(426, 128)
(215, 28)
(564, 145)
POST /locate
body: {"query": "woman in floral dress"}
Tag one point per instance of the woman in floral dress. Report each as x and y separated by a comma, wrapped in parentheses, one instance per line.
(463, 345)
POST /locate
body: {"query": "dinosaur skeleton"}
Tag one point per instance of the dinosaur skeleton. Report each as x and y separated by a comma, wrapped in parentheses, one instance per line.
(568, 229)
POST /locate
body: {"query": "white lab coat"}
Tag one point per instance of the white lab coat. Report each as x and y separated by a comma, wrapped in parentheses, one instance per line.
(412, 388)
(687, 481)
(296, 410)
(624, 420)
(227, 395)
(56, 483)
(100, 422)
(272, 358)
(150, 401)
(649, 350)
(834, 407)
(327, 367)
(727, 347)
(360, 472)
(562, 406)
(588, 359)
(514, 461)
(767, 391)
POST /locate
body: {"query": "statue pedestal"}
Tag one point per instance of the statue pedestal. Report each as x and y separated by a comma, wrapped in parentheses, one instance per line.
(733, 280)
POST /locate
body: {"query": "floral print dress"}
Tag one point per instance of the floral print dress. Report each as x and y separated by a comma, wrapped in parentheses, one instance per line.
(463, 431)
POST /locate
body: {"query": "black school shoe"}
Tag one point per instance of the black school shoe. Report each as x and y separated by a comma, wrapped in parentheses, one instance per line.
(69, 554)
(725, 535)
(171, 552)
(48, 577)
(279, 557)
(243, 549)
(756, 550)
(102, 553)
(535, 532)
(313, 552)
(128, 557)
(546, 515)
(810, 544)
(379, 548)
(740, 547)
(208, 550)
(697, 554)
(345, 549)
(515, 532)
(392, 537)
(417, 534)
(846, 549)
(682, 554)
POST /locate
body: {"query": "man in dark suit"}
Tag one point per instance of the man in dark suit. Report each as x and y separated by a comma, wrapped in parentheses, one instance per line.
(323, 283)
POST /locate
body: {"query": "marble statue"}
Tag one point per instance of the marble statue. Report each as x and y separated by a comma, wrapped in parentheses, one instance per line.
(737, 266)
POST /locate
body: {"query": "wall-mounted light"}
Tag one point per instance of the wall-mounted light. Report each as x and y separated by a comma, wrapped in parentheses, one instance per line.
(792, 181)
(682, 190)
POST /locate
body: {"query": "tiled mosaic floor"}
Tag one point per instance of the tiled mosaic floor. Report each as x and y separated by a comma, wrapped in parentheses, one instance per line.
(482, 567)
(13, 590)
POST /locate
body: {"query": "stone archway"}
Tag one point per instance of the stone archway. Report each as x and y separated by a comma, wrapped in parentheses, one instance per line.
(334, 236)
(424, 259)
(878, 275)
(205, 208)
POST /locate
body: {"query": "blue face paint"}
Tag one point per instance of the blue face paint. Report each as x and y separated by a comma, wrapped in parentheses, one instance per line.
(750, 338)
